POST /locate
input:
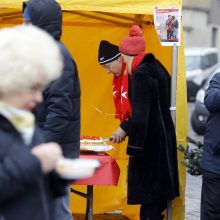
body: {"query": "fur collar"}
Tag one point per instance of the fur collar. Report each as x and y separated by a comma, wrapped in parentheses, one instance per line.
(152, 66)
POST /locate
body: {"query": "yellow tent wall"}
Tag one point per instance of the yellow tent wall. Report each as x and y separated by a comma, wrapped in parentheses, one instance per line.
(82, 34)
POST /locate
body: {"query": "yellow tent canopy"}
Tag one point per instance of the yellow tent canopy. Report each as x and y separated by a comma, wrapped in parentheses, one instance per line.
(85, 23)
(115, 6)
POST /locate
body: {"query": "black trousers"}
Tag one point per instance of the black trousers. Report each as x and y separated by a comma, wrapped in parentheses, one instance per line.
(210, 200)
(152, 211)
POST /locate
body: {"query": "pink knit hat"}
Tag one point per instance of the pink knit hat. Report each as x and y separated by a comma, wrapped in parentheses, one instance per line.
(134, 43)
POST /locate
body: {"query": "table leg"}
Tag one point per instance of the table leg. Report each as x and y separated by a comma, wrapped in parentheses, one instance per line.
(89, 200)
(89, 203)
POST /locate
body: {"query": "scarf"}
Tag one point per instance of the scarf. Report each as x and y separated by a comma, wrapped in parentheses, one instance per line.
(22, 120)
(120, 90)
(120, 95)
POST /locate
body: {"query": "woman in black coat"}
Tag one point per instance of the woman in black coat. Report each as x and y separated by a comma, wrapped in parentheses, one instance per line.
(29, 60)
(153, 172)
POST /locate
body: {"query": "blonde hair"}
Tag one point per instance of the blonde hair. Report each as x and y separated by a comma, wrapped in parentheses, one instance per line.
(26, 51)
(128, 59)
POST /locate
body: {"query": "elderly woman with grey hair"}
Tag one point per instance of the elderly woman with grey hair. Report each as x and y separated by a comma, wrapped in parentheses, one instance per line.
(29, 60)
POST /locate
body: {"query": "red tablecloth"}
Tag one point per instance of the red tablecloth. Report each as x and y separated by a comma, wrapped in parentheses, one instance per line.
(107, 174)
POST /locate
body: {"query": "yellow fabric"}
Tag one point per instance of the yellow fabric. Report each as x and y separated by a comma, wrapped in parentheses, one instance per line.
(82, 35)
(116, 6)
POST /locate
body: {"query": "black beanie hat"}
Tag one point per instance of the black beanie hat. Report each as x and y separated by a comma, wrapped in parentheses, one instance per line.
(107, 52)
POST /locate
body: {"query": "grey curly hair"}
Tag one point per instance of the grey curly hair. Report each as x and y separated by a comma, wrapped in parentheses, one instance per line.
(26, 51)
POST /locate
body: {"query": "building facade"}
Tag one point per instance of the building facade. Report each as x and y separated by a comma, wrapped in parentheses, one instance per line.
(201, 20)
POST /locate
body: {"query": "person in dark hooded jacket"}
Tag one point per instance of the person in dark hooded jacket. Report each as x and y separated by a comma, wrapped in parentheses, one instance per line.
(59, 114)
(210, 198)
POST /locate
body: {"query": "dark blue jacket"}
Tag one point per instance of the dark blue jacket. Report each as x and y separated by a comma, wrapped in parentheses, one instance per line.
(211, 151)
(59, 114)
(25, 192)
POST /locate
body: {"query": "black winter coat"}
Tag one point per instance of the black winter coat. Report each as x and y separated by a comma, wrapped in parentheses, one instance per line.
(59, 114)
(153, 171)
(211, 150)
(25, 193)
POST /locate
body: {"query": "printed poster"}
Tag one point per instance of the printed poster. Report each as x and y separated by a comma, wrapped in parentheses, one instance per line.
(167, 23)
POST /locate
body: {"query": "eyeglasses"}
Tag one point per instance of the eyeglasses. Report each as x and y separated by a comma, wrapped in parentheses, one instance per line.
(107, 66)
(110, 64)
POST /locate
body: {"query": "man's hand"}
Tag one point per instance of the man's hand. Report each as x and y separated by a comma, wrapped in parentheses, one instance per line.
(118, 135)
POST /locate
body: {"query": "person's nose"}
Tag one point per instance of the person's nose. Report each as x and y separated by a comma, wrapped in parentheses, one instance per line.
(107, 70)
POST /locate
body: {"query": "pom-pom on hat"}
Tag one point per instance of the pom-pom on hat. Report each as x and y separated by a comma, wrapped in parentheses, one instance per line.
(134, 43)
(107, 52)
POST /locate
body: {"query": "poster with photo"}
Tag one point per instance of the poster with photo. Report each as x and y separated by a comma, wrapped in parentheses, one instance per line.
(167, 23)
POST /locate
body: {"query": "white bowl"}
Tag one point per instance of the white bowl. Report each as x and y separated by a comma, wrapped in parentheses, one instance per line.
(76, 168)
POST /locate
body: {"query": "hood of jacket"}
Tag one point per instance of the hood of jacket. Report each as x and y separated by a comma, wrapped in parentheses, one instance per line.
(47, 15)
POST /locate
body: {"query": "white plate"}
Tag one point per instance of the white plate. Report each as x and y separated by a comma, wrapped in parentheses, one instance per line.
(76, 168)
(97, 148)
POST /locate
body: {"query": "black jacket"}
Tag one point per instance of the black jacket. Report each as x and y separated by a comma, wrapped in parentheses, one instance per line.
(153, 171)
(25, 193)
(211, 150)
(59, 114)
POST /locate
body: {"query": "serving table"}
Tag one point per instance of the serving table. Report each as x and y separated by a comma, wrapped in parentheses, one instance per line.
(107, 174)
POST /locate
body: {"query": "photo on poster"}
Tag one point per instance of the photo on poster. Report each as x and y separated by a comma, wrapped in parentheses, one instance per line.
(167, 23)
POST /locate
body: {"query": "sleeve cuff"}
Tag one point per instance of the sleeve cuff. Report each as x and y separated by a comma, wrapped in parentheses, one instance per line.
(125, 125)
(135, 151)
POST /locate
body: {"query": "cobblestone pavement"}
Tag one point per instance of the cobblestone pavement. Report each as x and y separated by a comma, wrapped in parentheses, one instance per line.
(193, 192)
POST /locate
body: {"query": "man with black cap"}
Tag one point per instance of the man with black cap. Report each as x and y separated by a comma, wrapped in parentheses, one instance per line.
(110, 58)
(59, 114)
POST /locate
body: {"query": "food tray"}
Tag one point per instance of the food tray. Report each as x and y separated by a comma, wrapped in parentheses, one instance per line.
(97, 148)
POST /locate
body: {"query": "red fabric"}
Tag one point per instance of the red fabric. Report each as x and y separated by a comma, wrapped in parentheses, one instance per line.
(136, 61)
(120, 95)
(134, 43)
(120, 90)
(170, 26)
(107, 174)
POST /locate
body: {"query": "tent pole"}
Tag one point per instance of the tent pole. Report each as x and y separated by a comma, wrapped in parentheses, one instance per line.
(173, 83)
(173, 106)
